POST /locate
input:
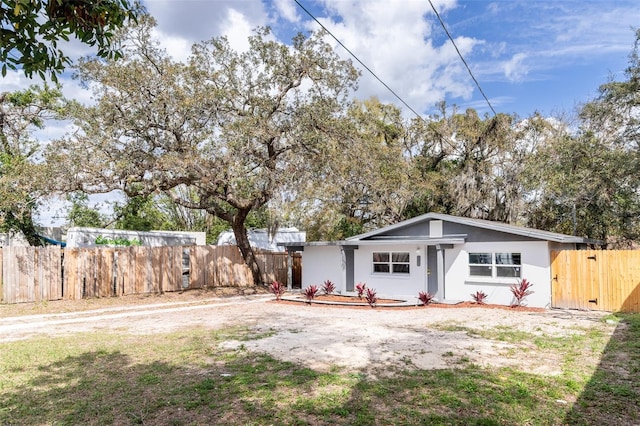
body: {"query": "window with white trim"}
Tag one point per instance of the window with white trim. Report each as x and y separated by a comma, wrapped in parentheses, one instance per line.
(495, 265)
(395, 262)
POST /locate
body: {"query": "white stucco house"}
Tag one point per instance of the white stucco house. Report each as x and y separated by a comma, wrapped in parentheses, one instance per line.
(448, 256)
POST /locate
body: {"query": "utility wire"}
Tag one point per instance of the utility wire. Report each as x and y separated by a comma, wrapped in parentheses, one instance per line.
(362, 63)
(461, 57)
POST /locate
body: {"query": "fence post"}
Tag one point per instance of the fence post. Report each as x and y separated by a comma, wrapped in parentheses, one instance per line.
(289, 270)
(1, 278)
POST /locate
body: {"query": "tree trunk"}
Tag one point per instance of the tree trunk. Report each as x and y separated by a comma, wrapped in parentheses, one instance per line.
(242, 240)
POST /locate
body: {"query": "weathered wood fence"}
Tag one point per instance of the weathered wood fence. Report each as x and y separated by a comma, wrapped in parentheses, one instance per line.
(606, 280)
(32, 274)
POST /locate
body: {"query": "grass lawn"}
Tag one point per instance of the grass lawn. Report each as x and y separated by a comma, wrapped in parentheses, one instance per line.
(188, 378)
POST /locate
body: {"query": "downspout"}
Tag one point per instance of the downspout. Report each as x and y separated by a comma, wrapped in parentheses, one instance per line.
(440, 272)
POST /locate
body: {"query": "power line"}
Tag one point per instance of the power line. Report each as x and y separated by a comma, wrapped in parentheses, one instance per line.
(461, 57)
(360, 62)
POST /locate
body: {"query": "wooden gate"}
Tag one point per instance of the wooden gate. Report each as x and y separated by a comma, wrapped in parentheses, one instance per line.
(604, 280)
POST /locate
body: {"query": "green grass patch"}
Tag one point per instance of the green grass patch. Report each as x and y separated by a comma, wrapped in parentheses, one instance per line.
(187, 377)
(612, 392)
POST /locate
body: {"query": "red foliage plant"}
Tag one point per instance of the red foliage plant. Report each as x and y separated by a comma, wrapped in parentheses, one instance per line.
(479, 297)
(328, 287)
(278, 289)
(521, 291)
(371, 297)
(360, 288)
(310, 293)
(425, 298)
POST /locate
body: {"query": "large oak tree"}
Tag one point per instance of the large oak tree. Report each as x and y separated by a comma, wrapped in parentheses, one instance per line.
(236, 128)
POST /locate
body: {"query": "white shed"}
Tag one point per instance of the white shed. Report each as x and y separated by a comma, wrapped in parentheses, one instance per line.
(260, 238)
(97, 237)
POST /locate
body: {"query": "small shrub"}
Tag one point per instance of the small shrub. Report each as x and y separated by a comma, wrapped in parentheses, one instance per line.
(328, 287)
(425, 298)
(371, 297)
(479, 297)
(360, 288)
(278, 289)
(521, 291)
(310, 293)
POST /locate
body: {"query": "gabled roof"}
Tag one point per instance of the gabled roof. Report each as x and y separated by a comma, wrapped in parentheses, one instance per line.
(478, 223)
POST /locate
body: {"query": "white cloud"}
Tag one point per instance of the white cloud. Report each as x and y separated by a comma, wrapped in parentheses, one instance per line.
(393, 39)
(14, 80)
(557, 35)
(515, 69)
(287, 9)
(53, 130)
(177, 47)
(71, 89)
(196, 21)
(402, 42)
(237, 29)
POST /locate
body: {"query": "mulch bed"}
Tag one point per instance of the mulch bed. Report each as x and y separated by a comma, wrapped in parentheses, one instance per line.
(355, 301)
(349, 299)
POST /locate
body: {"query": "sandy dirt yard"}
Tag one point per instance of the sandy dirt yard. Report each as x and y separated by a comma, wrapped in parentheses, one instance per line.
(318, 336)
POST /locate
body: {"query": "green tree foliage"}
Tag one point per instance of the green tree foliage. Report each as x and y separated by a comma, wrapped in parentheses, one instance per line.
(139, 213)
(32, 29)
(470, 166)
(576, 184)
(236, 128)
(614, 116)
(363, 177)
(589, 181)
(80, 214)
(181, 218)
(23, 177)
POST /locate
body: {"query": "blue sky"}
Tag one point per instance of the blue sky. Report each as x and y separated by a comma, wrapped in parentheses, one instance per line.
(546, 56)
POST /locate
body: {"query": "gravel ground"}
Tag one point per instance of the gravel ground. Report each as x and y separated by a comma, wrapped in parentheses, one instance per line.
(367, 340)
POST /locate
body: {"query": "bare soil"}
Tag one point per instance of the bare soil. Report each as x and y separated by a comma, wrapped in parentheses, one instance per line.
(319, 336)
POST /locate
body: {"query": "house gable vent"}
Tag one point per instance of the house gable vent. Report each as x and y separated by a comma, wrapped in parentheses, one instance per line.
(435, 229)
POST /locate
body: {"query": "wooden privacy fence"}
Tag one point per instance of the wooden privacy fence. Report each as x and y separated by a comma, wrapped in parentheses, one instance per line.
(606, 280)
(32, 274)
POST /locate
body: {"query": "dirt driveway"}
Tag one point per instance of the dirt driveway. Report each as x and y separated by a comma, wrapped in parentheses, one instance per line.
(318, 336)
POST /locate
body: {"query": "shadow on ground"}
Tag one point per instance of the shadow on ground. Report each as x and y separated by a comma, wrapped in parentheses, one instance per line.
(189, 379)
(102, 387)
(239, 387)
(612, 394)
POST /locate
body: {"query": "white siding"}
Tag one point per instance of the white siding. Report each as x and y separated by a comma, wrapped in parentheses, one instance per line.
(392, 284)
(535, 268)
(321, 263)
